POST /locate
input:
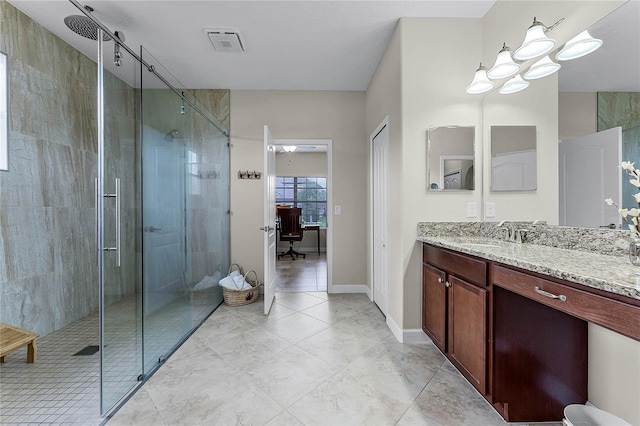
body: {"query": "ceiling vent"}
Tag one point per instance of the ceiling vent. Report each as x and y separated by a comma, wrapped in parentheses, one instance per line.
(225, 40)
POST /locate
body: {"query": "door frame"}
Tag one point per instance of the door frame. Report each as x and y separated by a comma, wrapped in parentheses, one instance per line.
(384, 123)
(329, 144)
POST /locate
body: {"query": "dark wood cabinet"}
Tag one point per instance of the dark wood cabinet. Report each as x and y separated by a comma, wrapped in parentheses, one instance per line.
(454, 310)
(468, 331)
(434, 305)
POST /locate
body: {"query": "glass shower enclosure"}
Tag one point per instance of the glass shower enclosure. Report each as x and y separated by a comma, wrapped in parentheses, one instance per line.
(162, 215)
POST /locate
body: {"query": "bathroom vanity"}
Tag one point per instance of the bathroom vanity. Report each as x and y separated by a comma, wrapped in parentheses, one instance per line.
(512, 318)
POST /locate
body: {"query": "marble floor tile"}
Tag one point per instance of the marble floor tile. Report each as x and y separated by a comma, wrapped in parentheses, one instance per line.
(290, 374)
(414, 417)
(284, 419)
(247, 347)
(337, 346)
(451, 400)
(343, 400)
(137, 410)
(329, 312)
(297, 327)
(297, 301)
(366, 323)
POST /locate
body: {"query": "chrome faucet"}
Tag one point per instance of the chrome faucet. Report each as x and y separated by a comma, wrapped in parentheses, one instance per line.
(510, 232)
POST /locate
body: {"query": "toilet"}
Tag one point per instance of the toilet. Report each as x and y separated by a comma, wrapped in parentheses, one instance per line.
(584, 415)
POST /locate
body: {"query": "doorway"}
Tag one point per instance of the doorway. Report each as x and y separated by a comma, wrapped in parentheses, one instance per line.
(303, 180)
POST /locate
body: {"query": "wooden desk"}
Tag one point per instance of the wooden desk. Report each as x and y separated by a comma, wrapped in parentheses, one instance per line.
(313, 228)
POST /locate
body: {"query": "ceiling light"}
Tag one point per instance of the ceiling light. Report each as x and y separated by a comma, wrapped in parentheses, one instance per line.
(535, 43)
(542, 68)
(514, 85)
(289, 148)
(504, 66)
(577, 47)
(481, 82)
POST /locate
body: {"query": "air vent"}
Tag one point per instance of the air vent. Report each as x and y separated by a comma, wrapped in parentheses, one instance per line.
(225, 40)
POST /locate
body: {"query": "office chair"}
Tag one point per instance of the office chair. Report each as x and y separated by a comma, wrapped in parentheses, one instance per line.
(290, 230)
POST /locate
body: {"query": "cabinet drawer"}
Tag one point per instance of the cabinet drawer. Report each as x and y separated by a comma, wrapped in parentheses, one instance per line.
(612, 314)
(463, 266)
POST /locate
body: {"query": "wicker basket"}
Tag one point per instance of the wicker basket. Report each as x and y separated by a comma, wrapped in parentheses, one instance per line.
(242, 297)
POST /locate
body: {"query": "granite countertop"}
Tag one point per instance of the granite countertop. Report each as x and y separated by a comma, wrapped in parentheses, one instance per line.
(614, 274)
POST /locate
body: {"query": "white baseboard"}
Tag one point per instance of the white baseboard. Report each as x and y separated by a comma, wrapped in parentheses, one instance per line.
(415, 336)
(351, 288)
(395, 329)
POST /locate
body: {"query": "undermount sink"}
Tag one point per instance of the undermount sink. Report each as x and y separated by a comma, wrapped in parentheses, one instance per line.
(478, 242)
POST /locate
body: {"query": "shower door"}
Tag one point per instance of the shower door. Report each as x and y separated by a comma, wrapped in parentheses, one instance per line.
(118, 211)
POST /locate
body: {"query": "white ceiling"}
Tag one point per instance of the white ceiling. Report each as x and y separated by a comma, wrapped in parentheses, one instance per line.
(310, 44)
(290, 45)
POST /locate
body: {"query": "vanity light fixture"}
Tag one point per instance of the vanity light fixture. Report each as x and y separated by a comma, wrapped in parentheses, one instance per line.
(536, 42)
(514, 85)
(504, 66)
(541, 68)
(289, 148)
(579, 46)
(481, 82)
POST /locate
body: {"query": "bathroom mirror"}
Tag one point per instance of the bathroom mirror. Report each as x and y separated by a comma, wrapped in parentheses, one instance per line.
(450, 158)
(4, 113)
(513, 158)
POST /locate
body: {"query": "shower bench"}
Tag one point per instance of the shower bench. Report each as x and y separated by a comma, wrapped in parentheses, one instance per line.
(14, 338)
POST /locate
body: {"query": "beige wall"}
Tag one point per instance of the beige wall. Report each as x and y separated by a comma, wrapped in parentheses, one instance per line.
(384, 100)
(338, 116)
(577, 114)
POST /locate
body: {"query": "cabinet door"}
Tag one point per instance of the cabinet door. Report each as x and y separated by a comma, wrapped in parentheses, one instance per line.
(434, 305)
(468, 331)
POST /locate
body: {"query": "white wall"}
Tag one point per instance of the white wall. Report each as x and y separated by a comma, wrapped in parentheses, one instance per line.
(338, 116)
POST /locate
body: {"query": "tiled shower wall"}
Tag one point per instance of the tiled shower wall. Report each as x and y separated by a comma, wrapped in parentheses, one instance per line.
(48, 277)
(47, 267)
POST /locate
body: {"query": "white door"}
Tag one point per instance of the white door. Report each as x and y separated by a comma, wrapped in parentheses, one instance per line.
(514, 171)
(162, 219)
(269, 220)
(589, 173)
(380, 169)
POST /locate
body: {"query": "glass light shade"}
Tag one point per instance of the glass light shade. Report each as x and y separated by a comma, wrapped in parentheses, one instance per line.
(480, 83)
(535, 43)
(289, 148)
(504, 66)
(541, 68)
(579, 46)
(514, 85)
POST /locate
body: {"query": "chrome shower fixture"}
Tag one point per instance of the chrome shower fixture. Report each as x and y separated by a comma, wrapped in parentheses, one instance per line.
(117, 55)
(84, 26)
(182, 110)
(171, 135)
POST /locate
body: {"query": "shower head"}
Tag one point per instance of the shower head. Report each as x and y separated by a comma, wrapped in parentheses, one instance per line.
(84, 26)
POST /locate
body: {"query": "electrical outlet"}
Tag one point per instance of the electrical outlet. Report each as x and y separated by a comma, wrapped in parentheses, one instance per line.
(337, 210)
(472, 209)
(490, 209)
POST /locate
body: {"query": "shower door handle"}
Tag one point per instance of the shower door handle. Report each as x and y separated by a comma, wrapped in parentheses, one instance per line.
(117, 195)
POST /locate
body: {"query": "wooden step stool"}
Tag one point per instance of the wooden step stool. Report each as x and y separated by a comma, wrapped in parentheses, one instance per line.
(13, 338)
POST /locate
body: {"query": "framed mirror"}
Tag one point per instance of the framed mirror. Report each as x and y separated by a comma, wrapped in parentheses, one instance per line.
(450, 158)
(4, 113)
(513, 158)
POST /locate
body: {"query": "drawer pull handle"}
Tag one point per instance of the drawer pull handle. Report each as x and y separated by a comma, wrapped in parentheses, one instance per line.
(562, 297)
(447, 284)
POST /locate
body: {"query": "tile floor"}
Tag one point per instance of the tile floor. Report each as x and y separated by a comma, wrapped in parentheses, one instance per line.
(308, 274)
(64, 389)
(317, 359)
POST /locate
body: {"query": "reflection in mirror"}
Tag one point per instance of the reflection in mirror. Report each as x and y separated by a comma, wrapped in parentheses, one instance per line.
(513, 158)
(4, 115)
(598, 93)
(450, 164)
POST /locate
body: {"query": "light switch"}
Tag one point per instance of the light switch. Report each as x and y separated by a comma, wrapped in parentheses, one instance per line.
(490, 209)
(472, 209)
(337, 209)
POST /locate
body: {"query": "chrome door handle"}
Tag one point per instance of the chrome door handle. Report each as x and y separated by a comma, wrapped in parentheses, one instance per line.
(267, 228)
(152, 229)
(117, 196)
(562, 297)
